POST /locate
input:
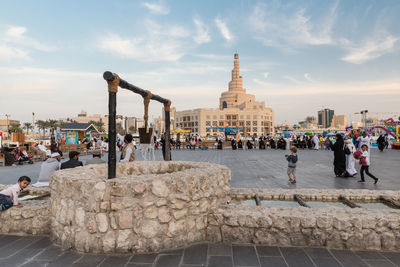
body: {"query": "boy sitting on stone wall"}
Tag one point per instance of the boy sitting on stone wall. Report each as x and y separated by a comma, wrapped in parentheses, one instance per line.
(9, 196)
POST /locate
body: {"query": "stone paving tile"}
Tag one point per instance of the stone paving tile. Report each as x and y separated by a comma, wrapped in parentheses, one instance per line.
(393, 257)
(8, 239)
(139, 265)
(317, 253)
(89, 260)
(348, 258)
(168, 260)
(66, 259)
(143, 258)
(196, 254)
(19, 244)
(326, 262)
(272, 261)
(23, 255)
(44, 242)
(220, 261)
(264, 251)
(369, 255)
(50, 253)
(244, 256)
(178, 251)
(115, 261)
(380, 263)
(220, 249)
(296, 256)
(34, 263)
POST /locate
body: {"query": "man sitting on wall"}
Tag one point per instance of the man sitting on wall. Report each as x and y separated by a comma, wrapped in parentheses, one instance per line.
(48, 167)
(73, 161)
(39, 152)
(44, 149)
(128, 150)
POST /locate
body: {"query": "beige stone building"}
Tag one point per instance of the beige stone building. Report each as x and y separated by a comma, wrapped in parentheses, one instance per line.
(236, 109)
(339, 121)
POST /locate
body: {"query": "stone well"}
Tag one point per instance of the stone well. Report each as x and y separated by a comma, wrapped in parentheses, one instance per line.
(150, 206)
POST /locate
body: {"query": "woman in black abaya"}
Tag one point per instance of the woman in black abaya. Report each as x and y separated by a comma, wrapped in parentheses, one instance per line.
(339, 156)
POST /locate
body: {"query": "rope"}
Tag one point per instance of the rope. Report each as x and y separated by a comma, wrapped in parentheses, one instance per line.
(146, 101)
(167, 106)
(113, 85)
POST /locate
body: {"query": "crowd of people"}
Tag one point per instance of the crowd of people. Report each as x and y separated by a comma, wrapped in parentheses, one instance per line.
(347, 151)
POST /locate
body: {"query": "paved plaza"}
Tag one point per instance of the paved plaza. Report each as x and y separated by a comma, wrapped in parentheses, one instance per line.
(267, 168)
(39, 251)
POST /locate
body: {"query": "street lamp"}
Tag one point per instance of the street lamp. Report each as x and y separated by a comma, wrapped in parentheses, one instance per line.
(364, 113)
(33, 125)
(8, 126)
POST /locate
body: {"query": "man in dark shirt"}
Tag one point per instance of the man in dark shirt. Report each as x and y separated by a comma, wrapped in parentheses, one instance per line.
(73, 161)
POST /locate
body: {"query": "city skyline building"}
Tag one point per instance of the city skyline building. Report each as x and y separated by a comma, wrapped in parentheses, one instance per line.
(325, 117)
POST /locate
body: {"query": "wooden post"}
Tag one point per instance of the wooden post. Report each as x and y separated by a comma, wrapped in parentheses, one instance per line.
(112, 135)
(167, 108)
(112, 128)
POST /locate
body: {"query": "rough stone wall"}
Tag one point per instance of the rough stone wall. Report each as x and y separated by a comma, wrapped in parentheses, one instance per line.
(149, 206)
(332, 227)
(32, 219)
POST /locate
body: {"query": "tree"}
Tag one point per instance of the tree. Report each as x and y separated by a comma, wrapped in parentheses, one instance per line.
(27, 127)
(41, 125)
(52, 125)
(132, 129)
(98, 124)
(15, 127)
(120, 130)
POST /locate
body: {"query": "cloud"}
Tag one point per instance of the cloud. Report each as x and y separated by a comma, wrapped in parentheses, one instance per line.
(15, 31)
(307, 77)
(160, 43)
(8, 53)
(370, 49)
(202, 35)
(223, 28)
(14, 44)
(157, 8)
(280, 28)
(266, 74)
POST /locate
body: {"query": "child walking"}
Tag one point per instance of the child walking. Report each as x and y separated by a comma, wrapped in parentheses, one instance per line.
(9, 196)
(365, 162)
(292, 159)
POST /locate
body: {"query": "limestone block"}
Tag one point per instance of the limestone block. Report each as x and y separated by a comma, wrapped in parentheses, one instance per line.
(125, 219)
(372, 240)
(102, 222)
(163, 215)
(176, 227)
(178, 214)
(123, 243)
(159, 188)
(109, 241)
(151, 212)
(150, 228)
(388, 241)
(324, 222)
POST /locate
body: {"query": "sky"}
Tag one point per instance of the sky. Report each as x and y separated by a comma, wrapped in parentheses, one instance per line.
(297, 56)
